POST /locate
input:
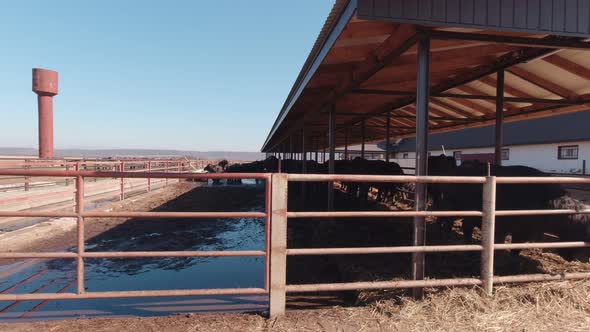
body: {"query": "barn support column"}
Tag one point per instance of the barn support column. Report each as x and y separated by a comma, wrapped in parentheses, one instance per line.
(332, 155)
(363, 139)
(285, 151)
(303, 151)
(422, 96)
(316, 147)
(346, 144)
(499, 116)
(387, 134)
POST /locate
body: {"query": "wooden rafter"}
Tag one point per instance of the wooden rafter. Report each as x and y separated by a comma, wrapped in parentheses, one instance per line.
(562, 43)
(542, 82)
(468, 75)
(490, 81)
(473, 105)
(443, 105)
(568, 65)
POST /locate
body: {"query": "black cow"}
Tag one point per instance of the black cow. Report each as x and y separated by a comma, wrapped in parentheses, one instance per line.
(525, 196)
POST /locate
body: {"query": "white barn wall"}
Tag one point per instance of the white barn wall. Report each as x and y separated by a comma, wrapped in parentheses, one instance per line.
(540, 156)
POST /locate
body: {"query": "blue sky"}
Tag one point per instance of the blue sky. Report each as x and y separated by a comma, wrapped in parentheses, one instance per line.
(195, 75)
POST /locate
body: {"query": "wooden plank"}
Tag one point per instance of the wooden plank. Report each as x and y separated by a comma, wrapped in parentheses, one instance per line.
(452, 108)
(542, 82)
(474, 106)
(490, 81)
(568, 65)
(569, 43)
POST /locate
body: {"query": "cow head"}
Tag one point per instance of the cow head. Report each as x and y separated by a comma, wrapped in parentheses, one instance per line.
(441, 165)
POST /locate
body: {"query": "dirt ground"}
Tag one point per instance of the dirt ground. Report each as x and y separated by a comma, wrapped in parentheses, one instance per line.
(556, 306)
(60, 240)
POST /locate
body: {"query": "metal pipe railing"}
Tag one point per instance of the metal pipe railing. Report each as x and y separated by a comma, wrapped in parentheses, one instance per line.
(25, 183)
(276, 251)
(279, 250)
(82, 215)
(382, 214)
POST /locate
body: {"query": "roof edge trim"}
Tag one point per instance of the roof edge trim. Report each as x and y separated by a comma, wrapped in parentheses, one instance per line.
(311, 65)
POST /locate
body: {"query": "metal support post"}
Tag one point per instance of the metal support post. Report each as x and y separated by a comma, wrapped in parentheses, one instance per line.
(499, 116)
(422, 97)
(278, 245)
(345, 144)
(122, 181)
(332, 146)
(488, 221)
(27, 167)
(363, 139)
(80, 225)
(387, 135)
(149, 180)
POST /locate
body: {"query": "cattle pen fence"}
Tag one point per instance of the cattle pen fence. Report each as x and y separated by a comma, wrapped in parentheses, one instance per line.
(276, 215)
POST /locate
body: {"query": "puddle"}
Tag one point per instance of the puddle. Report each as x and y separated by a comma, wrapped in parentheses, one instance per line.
(150, 273)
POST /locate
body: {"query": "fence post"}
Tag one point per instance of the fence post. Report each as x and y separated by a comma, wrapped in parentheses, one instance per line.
(27, 179)
(149, 180)
(166, 165)
(67, 169)
(179, 169)
(278, 244)
(122, 169)
(488, 221)
(80, 224)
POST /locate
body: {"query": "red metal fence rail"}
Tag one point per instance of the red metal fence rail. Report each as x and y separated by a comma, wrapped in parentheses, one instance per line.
(129, 165)
(81, 254)
(276, 250)
(280, 215)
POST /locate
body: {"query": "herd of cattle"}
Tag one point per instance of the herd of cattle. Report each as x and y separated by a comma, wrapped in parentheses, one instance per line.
(455, 197)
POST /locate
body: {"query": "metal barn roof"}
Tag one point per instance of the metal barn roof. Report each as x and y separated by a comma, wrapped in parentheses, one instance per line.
(364, 64)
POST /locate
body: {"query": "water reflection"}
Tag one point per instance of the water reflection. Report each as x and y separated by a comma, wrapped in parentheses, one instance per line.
(144, 234)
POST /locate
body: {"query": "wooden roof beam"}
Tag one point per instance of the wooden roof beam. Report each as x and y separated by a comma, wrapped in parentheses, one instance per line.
(451, 108)
(568, 66)
(468, 75)
(490, 81)
(411, 110)
(474, 94)
(542, 83)
(559, 43)
(474, 106)
(399, 41)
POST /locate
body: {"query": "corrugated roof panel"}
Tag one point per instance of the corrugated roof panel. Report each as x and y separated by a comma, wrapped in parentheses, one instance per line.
(558, 17)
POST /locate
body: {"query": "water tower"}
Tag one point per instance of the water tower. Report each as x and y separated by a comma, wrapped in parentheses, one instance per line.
(45, 86)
